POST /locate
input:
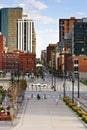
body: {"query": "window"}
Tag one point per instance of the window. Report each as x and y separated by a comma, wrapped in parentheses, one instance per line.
(75, 68)
(75, 61)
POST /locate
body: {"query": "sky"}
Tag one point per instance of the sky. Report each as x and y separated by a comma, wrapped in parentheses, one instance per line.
(46, 15)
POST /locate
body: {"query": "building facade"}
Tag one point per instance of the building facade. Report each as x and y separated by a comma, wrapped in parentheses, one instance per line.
(26, 38)
(2, 49)
(65, 39)
(43, 57)
(8, 25)
(50, 48)
(18, 62)
(79, 39)
(66, 26)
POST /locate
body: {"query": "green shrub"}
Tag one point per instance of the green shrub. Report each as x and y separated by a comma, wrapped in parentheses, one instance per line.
(75, 108)
(79, 112)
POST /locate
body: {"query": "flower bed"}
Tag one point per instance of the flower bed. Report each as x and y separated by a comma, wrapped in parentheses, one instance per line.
(76, 109)
(5, 117)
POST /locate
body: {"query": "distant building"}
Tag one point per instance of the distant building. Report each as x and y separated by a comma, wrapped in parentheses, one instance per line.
(2, 49)
(66, 26)
(65, 40)
(18, 29)
(18, 62)
(8, 25)
(43, 56)
(79, 39)
(50, 48)
(26, 35)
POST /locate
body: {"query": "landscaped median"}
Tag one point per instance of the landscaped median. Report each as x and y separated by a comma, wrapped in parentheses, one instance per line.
(73, 105)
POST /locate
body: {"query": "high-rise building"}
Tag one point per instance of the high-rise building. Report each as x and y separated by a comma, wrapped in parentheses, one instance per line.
(65, 39)
(26, 35)
(18, 30)
(79, 38)
(65, 27)
(8, 25)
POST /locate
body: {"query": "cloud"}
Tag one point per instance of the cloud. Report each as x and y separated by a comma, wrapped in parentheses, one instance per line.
(32, 7)
(1, 5)
(22, 5)
(44, 38)
(59, 1)
(36, 4)
(16, 0)
(80, 13)
(45, 19)
(34, 14)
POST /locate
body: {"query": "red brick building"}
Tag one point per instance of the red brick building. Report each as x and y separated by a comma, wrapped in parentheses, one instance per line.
(65, 26)
(50, 48)
(65, 40)
(2, 49)
(77, 64)
(18, 62)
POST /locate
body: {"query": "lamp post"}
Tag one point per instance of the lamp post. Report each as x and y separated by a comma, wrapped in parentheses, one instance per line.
(53, 80)
(78, 86)
(55, 83)
(5, 89)
(72, 89)
(64, 86)
(18, 73)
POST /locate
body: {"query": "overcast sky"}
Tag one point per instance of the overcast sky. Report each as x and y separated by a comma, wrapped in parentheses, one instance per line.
(46, 14)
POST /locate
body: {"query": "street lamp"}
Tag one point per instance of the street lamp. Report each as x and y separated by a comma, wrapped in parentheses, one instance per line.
(53, 80)
(78, 86)
(72, 89)
(5, 89)
(64, 85)
(55, 83)
(18, 73)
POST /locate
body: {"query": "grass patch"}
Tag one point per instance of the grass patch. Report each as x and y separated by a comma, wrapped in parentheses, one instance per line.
(84, 82)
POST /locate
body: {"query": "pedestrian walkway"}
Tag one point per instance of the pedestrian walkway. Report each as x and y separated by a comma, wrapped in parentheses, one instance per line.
(45, 114)
(7, 125)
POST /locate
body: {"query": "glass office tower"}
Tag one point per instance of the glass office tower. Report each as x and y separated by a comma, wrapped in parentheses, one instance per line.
(8, 25)
(79, 39)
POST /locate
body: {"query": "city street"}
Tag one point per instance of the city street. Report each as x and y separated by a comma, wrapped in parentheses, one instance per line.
(43, 65)
(45, 114)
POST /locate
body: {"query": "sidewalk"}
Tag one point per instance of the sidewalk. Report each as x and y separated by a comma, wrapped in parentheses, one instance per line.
(44, 114)
(7, 125)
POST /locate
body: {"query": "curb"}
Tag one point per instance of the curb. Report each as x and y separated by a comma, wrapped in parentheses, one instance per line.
(22, 116)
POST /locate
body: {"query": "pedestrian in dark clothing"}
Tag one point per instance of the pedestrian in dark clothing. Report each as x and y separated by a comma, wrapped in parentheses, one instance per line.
(38, 97)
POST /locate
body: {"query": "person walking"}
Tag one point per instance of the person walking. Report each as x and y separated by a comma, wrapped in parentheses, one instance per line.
(78, 104)
(56, 101)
